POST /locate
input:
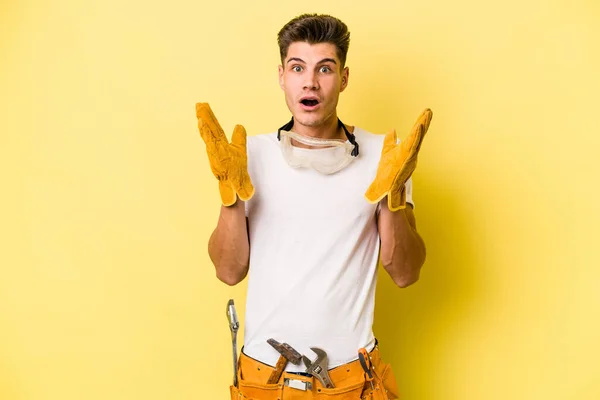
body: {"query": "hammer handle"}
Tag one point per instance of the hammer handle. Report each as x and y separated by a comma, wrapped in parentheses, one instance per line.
(279, 367)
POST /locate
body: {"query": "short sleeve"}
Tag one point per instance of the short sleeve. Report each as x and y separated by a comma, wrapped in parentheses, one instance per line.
(408, 187)
(409, 198)
(249, 148)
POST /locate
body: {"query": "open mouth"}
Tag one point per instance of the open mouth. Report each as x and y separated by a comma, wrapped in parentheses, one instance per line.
(309, 102)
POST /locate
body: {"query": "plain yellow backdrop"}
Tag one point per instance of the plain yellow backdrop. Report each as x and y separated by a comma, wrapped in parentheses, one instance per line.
(106, 288)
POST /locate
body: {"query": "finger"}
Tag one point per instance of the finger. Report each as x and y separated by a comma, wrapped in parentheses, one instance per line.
(246, 189)
(199, 106)
(228, 196)
(209, 126)
(389, 141)
(239, 136)
(415, 138)
(412, 143)
(424, 120)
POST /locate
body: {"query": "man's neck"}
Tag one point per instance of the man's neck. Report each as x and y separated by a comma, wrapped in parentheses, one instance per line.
(327, 130)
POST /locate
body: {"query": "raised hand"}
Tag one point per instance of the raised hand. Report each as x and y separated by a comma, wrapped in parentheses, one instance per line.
(397, 163)
(228, 161)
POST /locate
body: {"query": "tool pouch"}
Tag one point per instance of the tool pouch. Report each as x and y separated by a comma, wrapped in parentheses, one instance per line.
(282, 392)
(250, 387)
(257, 392)
(250, 375)
(350, 383)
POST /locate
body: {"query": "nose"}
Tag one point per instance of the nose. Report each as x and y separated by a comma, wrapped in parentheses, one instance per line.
(310, 81)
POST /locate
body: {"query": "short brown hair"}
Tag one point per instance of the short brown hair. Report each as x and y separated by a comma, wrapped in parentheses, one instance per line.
(315, 28)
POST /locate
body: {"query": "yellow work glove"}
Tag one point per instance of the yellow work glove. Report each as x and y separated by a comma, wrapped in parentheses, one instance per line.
(228, 161)
(397, 163)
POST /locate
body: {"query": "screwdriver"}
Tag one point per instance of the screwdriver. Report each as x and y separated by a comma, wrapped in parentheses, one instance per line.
(365, 362)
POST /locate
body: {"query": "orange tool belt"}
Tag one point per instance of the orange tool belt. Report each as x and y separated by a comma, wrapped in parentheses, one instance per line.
(350, 381)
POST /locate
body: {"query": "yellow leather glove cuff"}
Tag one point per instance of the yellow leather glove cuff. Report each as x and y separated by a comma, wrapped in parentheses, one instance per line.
(397, 163)
(228, 161)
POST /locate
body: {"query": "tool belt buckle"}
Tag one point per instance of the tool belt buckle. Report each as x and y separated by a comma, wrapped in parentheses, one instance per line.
(297, 384)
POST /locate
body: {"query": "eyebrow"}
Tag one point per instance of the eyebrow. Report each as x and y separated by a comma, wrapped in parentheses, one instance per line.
(325, 60)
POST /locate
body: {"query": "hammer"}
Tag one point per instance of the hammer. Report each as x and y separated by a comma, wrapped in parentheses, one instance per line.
(287, 354)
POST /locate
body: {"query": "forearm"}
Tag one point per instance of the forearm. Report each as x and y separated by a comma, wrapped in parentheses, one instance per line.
(402, 248)
(228, 246)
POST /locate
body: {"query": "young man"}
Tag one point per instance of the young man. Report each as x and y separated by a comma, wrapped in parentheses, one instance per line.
(308, 211)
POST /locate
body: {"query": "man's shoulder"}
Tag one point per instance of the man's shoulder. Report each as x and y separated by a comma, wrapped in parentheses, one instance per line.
(262, 139)
(358, 131)
(368, 139)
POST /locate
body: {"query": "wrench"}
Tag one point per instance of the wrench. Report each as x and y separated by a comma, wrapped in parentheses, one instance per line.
(234, 325)
(318, 367)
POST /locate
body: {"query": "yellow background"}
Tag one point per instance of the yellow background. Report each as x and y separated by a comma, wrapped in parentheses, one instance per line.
(106, 288)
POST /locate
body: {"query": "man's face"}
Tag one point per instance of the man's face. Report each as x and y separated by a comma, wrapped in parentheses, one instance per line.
(312, 79)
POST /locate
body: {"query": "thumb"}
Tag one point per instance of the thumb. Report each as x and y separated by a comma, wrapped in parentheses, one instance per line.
(239, 136)
(389, 141)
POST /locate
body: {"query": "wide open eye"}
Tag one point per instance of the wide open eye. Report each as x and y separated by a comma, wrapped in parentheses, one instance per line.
(325, 69)
(297, 68)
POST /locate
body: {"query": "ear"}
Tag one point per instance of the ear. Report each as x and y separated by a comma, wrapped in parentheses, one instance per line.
(280, 70)
(345, 76)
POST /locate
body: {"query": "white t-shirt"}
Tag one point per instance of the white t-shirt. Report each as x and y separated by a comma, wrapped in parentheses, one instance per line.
(314, 251)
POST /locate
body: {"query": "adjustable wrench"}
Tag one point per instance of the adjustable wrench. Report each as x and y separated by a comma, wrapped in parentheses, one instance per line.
(318, 367)
(234, 325)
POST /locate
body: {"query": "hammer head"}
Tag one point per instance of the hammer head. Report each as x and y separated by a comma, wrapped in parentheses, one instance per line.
(286, 350)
